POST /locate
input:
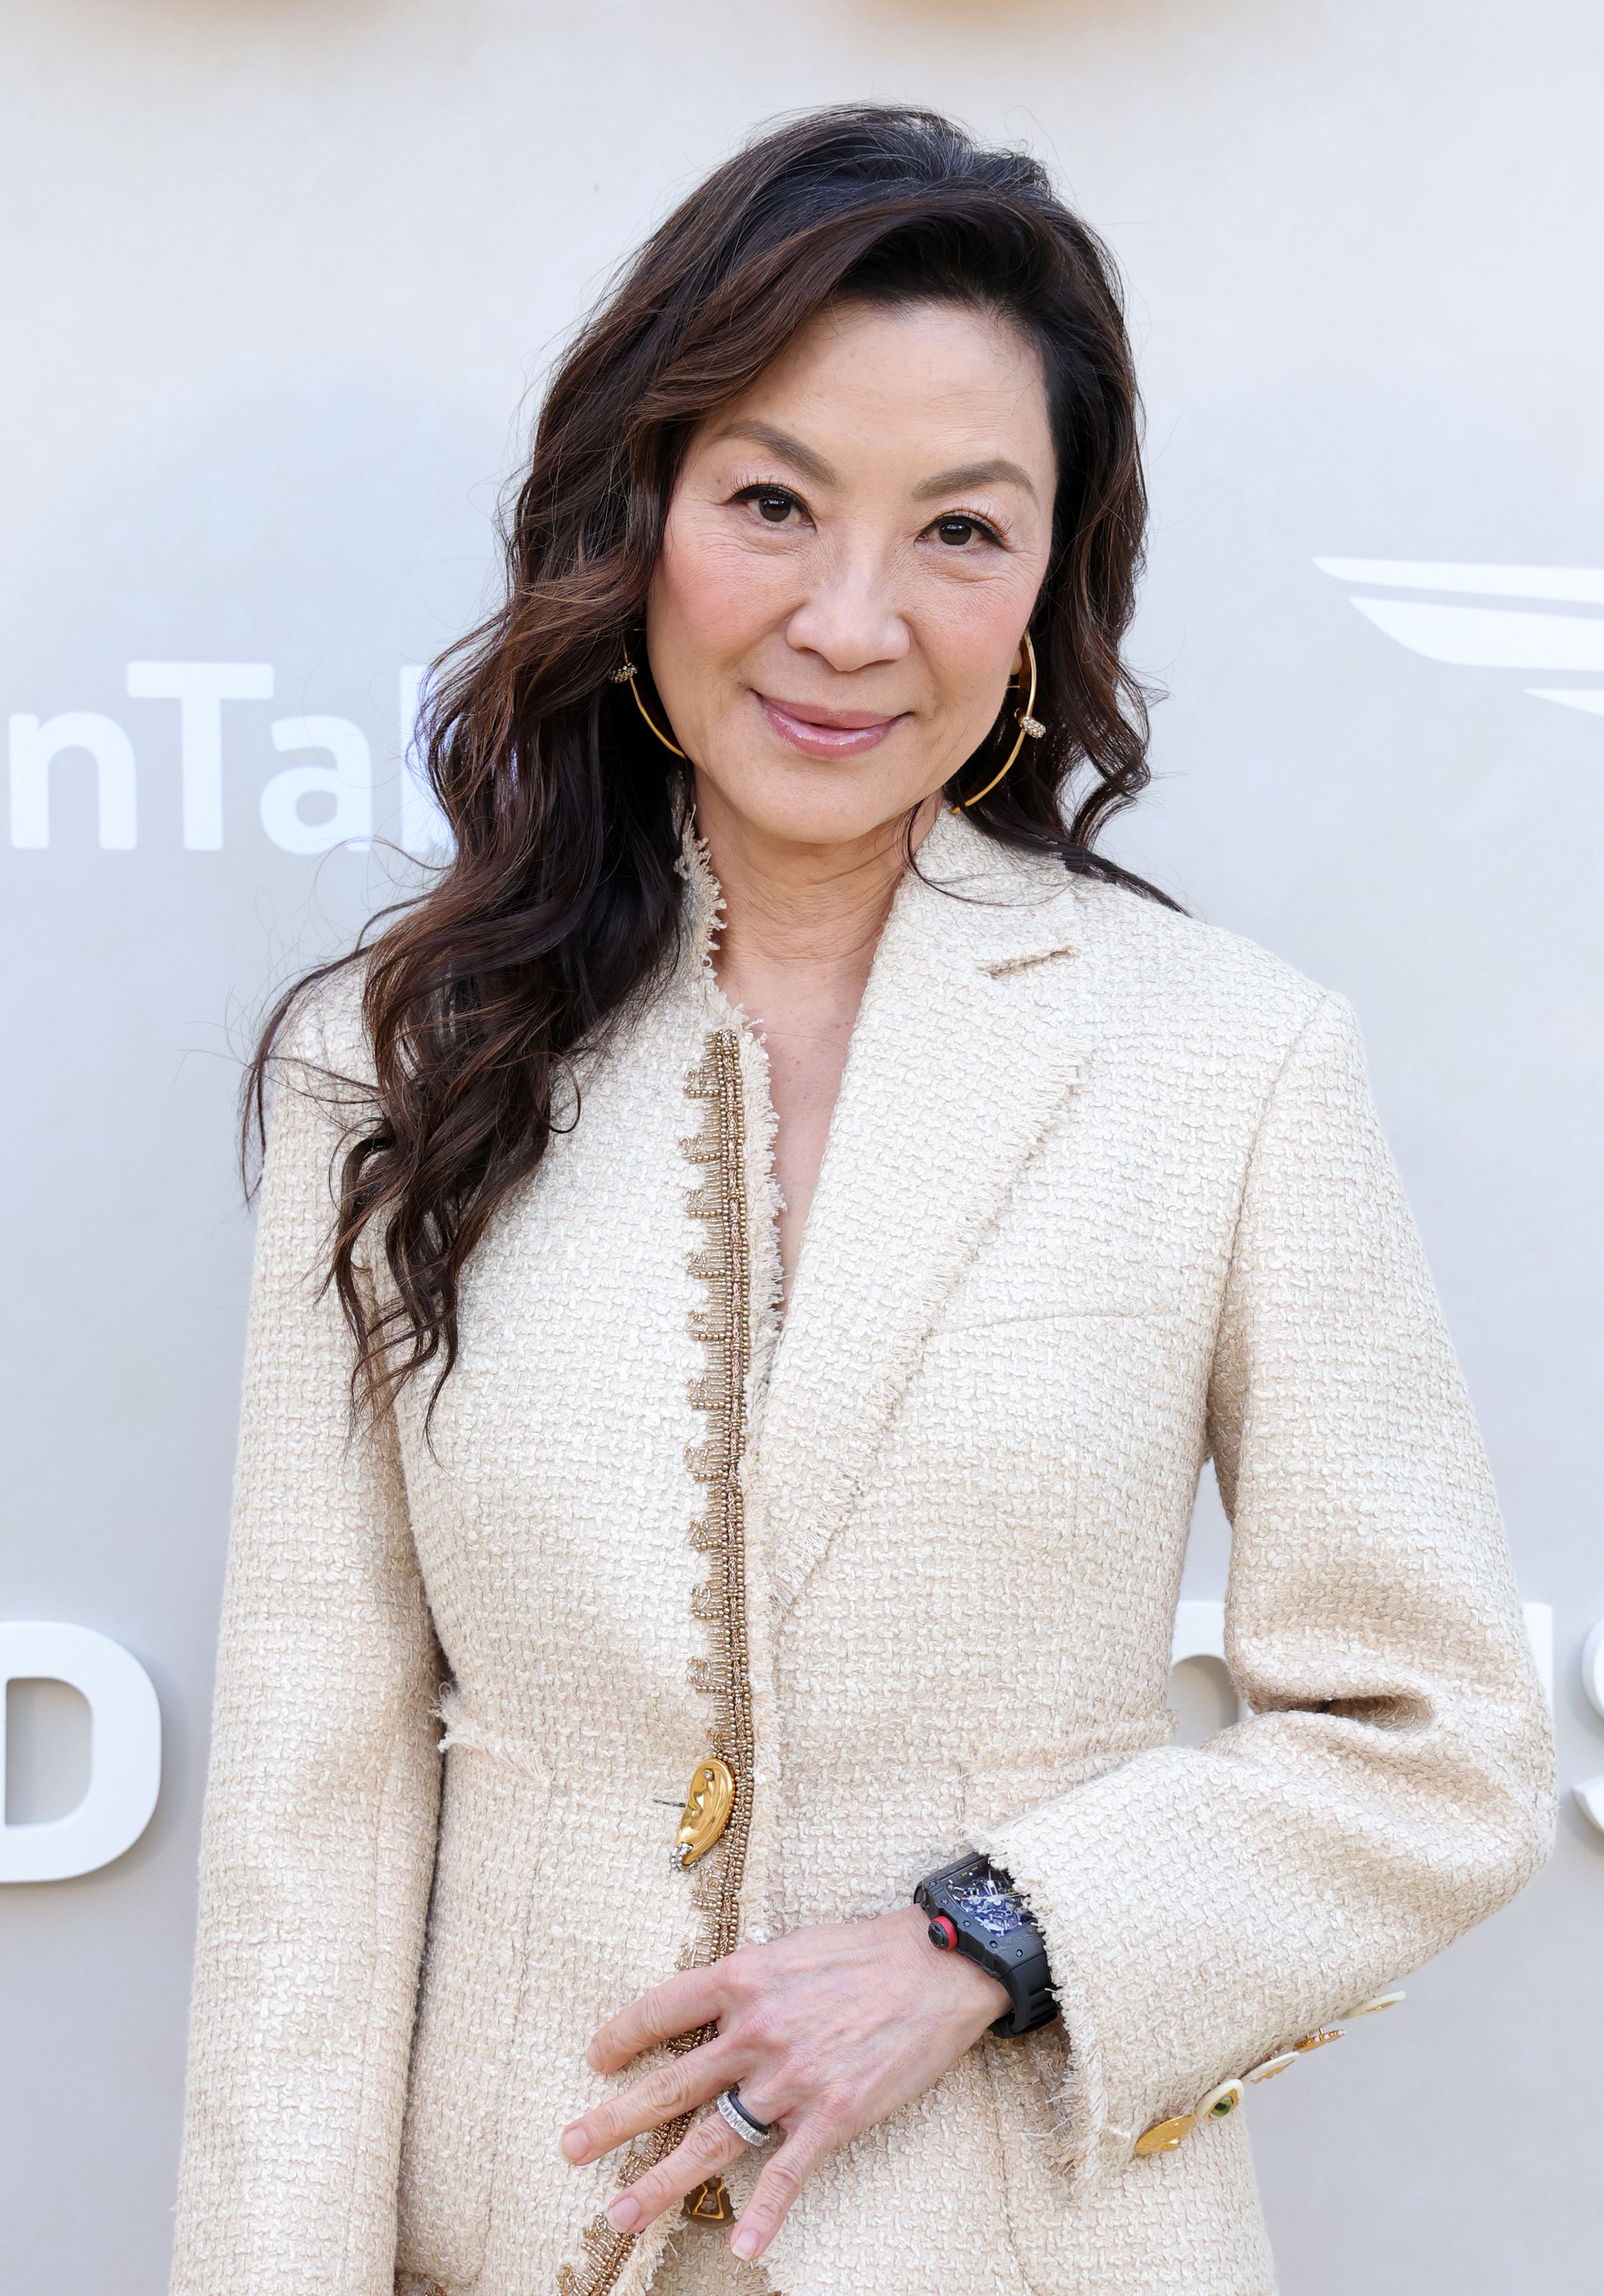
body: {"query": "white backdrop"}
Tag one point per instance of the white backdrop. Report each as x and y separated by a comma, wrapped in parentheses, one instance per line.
(277, 273)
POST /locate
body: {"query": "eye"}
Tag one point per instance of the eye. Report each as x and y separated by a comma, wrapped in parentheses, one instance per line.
(958, 529)
(774, 504)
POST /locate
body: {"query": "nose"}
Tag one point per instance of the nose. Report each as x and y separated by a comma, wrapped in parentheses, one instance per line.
(850, 617)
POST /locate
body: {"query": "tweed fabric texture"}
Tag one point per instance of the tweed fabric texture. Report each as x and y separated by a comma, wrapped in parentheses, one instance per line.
(1103, 1195)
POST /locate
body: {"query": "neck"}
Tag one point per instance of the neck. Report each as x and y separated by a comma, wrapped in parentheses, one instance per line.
(800, 918)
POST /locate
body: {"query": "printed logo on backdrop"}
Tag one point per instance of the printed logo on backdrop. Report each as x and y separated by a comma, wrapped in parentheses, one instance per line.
(1490, 637)
(324, 801)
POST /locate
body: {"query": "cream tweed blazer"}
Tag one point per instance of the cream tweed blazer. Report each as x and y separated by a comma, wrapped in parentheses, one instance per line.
(1104, 1197)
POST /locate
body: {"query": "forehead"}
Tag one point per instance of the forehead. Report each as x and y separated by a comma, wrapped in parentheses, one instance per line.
(926, 383)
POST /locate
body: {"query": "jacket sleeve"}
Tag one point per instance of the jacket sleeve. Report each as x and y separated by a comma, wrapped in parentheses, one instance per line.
(1390, 1784)
(318, 1838)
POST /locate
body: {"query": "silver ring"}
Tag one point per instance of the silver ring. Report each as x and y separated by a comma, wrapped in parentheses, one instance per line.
(746, 2125)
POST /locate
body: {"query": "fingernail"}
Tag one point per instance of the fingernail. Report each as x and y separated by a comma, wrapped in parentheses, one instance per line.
(591, 2059)
(746, 2244)
(626, 2212)
(576, 2144)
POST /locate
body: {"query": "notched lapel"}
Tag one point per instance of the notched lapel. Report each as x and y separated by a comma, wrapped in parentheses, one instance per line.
(958, 1068)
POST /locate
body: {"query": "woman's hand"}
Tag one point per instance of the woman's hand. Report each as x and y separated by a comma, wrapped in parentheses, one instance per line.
(826, 2032)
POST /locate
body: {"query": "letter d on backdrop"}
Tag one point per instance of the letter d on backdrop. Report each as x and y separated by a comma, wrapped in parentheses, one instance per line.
(125, 1753)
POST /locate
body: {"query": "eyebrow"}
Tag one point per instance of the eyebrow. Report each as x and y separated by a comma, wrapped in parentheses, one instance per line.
(780, 442)
(976, 474)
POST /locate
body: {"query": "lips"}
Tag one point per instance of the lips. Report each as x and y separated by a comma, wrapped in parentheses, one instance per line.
(820, 733)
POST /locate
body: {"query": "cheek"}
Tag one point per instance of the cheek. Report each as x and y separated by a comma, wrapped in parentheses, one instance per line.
(972, 633)
(709, 598)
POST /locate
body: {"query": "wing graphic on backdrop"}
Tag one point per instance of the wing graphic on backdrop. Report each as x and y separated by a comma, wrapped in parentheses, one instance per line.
(1490, 637)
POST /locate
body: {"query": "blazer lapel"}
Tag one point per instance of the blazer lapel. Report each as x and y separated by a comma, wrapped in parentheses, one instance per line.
(957, 1067)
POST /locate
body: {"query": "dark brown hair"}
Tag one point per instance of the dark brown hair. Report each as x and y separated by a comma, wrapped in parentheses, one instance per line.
(562, 899)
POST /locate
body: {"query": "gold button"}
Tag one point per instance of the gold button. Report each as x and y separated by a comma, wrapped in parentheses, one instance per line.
(707, 1812)
(1317, 2040)
(709, 2203)
(1221, 2102)
(1166, 2136)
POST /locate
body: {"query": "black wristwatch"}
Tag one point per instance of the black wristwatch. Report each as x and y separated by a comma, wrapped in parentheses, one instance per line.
(973, 1911)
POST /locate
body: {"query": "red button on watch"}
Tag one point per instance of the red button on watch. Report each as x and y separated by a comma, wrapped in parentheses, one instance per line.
(944, 1933)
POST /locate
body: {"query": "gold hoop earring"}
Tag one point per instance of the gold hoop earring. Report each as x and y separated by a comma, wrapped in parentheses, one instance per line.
(1027, 723)
(626, 674)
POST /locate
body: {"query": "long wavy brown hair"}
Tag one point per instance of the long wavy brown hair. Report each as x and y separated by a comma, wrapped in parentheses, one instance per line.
(561, 902)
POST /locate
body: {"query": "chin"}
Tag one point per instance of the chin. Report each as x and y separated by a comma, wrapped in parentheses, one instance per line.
(800, 802)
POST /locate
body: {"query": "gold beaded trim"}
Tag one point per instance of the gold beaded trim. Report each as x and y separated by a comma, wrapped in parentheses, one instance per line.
(724, 1325)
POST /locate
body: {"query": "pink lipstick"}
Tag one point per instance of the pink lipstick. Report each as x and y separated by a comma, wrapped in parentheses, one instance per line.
(820, 733)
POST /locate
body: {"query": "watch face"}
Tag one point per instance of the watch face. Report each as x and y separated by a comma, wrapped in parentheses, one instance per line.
(989, 1907)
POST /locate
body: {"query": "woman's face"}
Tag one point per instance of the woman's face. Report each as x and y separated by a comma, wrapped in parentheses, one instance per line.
(853, 552)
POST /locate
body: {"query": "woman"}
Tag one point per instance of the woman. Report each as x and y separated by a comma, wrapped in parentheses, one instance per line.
(751, 1266)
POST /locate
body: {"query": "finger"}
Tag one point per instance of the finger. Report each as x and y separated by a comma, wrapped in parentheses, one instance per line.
(684, 2003)
(777, 2187)
(710, 2145)
(665, 2093)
